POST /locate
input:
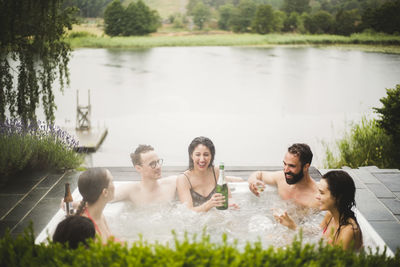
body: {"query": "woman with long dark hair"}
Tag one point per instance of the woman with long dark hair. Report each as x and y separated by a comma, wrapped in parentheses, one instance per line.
(337, 197)
(196, 186)
(96, 188)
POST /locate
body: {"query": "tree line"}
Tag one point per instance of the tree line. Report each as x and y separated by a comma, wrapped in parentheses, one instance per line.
(322, 16)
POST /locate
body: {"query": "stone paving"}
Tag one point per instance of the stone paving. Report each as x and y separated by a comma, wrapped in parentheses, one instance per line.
(36, 196)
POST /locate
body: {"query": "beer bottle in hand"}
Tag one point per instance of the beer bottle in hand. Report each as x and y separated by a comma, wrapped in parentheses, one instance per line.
(222, 186)
(68, 201)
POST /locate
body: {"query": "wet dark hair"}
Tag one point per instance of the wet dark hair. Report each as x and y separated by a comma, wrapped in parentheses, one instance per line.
(136, 156)
(201, 140)
(343, 189)
(74, 230)
(91, 184)
(303, 151)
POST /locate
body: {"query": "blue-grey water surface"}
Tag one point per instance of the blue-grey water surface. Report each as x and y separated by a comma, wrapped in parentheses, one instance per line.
(252, 102)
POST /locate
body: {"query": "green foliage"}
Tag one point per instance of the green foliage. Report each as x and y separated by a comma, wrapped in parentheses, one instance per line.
(136, 19)
(264, 20)
(242, 16)
(225, 14)
(298, 6)
(22, 251)
(80, 35)
(384, 18)
(390, 118)
(32, 54)
(319, 22)
(292, 22)
(113, 18)
(365, 145)
(362, 41)
(35, 147)
(347, 21)
(201, 14)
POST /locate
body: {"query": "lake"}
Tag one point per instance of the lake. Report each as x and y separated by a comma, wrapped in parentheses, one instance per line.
(252, 102)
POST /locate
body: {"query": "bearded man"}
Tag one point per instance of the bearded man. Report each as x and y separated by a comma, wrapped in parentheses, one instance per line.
(294, 181)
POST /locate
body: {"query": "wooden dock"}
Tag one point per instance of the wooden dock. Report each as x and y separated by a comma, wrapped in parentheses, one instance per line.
(89, 140)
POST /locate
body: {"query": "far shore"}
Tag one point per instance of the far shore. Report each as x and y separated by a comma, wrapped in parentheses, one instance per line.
(366, 42)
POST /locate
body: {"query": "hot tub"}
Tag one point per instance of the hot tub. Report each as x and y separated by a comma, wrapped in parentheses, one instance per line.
(252, 222)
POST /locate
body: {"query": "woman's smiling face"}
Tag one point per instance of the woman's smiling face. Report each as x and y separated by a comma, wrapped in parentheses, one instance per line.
(201, 157)
(326, 200)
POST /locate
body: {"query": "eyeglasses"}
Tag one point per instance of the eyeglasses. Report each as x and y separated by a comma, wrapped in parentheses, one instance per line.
(156, 163)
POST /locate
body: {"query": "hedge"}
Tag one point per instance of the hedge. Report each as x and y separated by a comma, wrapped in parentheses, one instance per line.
(22, 251)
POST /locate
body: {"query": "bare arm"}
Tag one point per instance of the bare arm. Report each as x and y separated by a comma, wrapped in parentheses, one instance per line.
(346, 238)
(258, 180)
(122, 192)
(183, 188)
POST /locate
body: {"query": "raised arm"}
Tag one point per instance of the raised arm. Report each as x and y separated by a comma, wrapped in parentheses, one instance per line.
(258, 179)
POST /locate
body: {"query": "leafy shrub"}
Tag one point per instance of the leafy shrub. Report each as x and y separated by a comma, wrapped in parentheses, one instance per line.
(35, 147)
(366, 144)
(390, 118)
(80, 34)
(22, 251)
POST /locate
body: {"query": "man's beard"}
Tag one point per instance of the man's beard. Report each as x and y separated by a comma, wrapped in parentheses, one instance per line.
(295, 177)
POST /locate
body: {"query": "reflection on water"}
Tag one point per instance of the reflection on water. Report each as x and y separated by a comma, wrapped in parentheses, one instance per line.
(252, 102)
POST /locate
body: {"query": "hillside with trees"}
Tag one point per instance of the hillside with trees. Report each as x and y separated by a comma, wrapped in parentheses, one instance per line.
(342, 17)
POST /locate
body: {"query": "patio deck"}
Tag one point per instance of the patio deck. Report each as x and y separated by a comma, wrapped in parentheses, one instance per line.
(36, 196)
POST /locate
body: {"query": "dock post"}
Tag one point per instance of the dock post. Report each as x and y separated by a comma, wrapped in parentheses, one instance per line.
(83, 114)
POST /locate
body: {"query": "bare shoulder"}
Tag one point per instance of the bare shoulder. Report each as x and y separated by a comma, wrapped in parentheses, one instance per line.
(132, 186)
(181, 180)
(169, 179)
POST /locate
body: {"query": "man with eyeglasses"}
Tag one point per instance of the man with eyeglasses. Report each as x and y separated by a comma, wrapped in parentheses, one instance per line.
(151, 189)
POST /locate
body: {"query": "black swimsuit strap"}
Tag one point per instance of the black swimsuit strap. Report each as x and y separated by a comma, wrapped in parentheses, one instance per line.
(188, 180)
(215, 178)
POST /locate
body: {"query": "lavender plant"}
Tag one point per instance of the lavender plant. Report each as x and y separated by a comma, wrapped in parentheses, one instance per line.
(36, 146)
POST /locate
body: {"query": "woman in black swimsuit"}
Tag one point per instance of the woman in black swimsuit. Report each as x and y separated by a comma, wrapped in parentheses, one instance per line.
(196, 186)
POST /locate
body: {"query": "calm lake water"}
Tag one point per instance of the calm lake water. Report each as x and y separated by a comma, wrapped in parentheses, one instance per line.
(252, 102)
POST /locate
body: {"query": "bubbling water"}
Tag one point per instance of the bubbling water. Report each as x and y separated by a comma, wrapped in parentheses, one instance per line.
(254, 220)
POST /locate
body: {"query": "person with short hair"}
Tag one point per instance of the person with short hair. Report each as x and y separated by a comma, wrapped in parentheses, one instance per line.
(337, 197)
(152, 189)
(294, 181)
(74, 230)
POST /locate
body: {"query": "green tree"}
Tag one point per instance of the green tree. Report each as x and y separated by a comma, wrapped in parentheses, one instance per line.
(32, 54)
(139, 19)
(298, 6)
(225, 14)
(323, 21)
(201, 14)
(292, 22)
(389, 119)
(308, 23)
(243, 15)
(280, 18)
(113, 16)
(387, 17)
(347, 21)
(264, 20)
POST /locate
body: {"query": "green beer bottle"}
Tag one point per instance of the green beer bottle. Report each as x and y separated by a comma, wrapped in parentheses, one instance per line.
(222, 186)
